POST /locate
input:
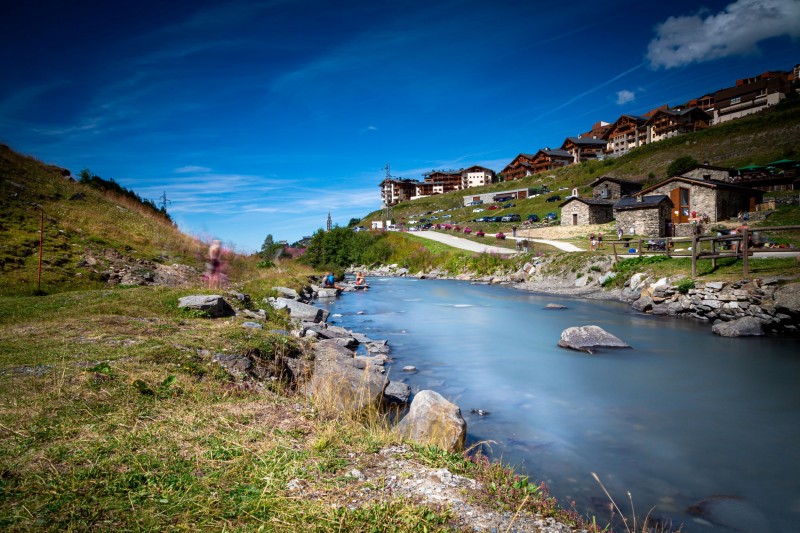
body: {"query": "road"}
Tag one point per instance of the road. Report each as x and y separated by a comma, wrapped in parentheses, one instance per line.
(472, 246)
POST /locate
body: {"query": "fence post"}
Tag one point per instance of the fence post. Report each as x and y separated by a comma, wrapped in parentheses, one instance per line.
(745, 249)
(694, 256)
(639, 246)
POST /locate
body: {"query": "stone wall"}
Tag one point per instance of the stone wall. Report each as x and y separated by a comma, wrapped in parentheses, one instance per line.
(649, 222)
(775, 306)
(575, 208)
(702, 200)
(701, 173)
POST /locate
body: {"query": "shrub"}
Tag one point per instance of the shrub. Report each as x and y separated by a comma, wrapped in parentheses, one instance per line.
(685, 285)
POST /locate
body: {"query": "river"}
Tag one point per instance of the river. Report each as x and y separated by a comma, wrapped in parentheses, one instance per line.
(682, 416)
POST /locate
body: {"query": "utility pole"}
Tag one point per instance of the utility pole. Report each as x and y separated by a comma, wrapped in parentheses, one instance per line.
(164, 201)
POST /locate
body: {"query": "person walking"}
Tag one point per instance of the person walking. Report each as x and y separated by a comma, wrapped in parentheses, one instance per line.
(592, 242)
(599, 240)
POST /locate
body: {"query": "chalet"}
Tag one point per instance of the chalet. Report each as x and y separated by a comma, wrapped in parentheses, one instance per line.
(394, 191)
(629, 131)
(548, 159)
(598, 130)
(666, 123)
(644, 215)
(477, 176)
(520, 167)
(751, 95)
(608, 188)
(581, 211)
(710, 172)
(584, 148)
(697, 198)
(443, 180)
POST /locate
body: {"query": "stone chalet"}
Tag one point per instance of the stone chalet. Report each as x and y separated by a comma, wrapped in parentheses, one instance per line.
(710, 172)
(610, 188)
(693, 198)
(581, 211)
(645, 215)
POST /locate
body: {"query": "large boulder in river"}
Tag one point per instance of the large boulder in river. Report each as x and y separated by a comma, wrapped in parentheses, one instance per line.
(787, 299)
(731, 512)
(589, 338)
(748, 326)
(433, 420)
(301, 311)
(340, 382)
(212, 304)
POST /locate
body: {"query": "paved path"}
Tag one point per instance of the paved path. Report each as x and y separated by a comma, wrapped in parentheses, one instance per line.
(472, 246)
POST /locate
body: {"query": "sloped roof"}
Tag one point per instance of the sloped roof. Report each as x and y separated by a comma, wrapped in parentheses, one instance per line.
(647, 202)
(585, 141)
(621, 181)
(557, 153)
(589, 201)
(712, 184)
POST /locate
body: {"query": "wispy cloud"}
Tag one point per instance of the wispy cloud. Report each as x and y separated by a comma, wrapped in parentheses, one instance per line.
(735, 30)
(191, 169)
(624, 96)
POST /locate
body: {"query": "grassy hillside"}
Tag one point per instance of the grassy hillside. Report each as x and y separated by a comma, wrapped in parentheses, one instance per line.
(758, 139)
(85, 230)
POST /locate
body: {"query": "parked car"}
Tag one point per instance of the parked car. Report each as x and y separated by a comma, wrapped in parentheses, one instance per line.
(511, 218)
(533, 218)
(551, 216)
(496, 219)
(427, 226)
(554, 198)
(493, 207)
(504, 199)
(447, 216)
(506, 206)
(501, 236)
(475, 202)
(478, 210)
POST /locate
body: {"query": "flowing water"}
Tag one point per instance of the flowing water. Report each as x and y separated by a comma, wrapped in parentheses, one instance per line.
(682, 416)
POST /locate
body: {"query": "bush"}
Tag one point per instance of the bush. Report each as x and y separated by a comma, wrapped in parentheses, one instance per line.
(685, 285)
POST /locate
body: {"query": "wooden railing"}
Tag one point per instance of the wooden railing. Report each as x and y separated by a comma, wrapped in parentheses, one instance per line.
(738, 245)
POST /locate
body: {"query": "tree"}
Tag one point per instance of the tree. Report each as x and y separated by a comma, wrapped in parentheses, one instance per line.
(353, 222)
(270, 248)
(680, 165)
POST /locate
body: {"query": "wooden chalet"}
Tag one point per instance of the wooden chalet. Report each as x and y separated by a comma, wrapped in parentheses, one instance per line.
(477, 176)
(751, 95)
(666, 123)
(629, 131)
(443, 180)
(548, 159)
(584, 148)
(610, 188)
(519, 167)
(598, 130)
(394, 191)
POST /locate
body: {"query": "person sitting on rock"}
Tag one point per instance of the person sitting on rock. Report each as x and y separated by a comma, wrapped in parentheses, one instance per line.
(360, 279)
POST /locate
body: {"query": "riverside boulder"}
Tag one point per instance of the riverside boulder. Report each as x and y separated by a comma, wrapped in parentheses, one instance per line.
(339, 383)
(431, 419)
(589, 338)
(301, 311)
(748, 326)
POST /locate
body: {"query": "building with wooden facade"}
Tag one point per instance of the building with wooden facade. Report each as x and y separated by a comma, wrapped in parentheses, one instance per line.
(547, 159)
(666, 123)
(584, 148)
(629, 131)
(751, 95)
(519, 167)
(394, 190)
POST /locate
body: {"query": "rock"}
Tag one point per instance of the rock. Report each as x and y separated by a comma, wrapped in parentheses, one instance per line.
(479, 412)
(555, 306)
(301, 311)
(731, 512)
(643, 304)
(589, 338)
(433, 420)
(339, 384)
(328, 293)
(747, 326)
(409, 368)
(607, 276)
(213, 304)
(397, 393)
(787, 299)
(287, 292)
(235, 364)
(252, 325)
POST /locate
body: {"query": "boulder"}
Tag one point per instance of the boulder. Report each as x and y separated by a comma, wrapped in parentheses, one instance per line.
(301, 311)
(731, 512)
(337, 382)
(213, 304)
(328, 293)
(589, 338)
(787, 299)
(433, 420)
(747, 326)
(555, 306)
(397, 393)
(287, 292)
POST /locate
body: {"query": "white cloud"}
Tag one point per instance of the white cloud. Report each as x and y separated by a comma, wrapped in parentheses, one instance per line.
(624, 96)
(735, 30)
(192, 168)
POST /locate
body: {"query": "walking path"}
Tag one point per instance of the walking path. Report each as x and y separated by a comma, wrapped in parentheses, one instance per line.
(472, 246)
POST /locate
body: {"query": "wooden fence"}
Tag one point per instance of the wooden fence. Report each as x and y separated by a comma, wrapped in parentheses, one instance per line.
(739, 245)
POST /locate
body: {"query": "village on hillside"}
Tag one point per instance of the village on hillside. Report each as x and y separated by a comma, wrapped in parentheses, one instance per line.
(678, 206)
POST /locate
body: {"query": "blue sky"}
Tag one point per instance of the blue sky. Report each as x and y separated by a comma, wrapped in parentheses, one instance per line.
(258, 117)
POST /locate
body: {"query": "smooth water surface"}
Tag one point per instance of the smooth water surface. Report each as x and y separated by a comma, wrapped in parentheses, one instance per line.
(683, 416)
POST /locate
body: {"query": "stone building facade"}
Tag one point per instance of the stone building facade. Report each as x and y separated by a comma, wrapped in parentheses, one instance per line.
(648, 216)
(709, 172)
(608, 188)
(582, 211)
(714, 200)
